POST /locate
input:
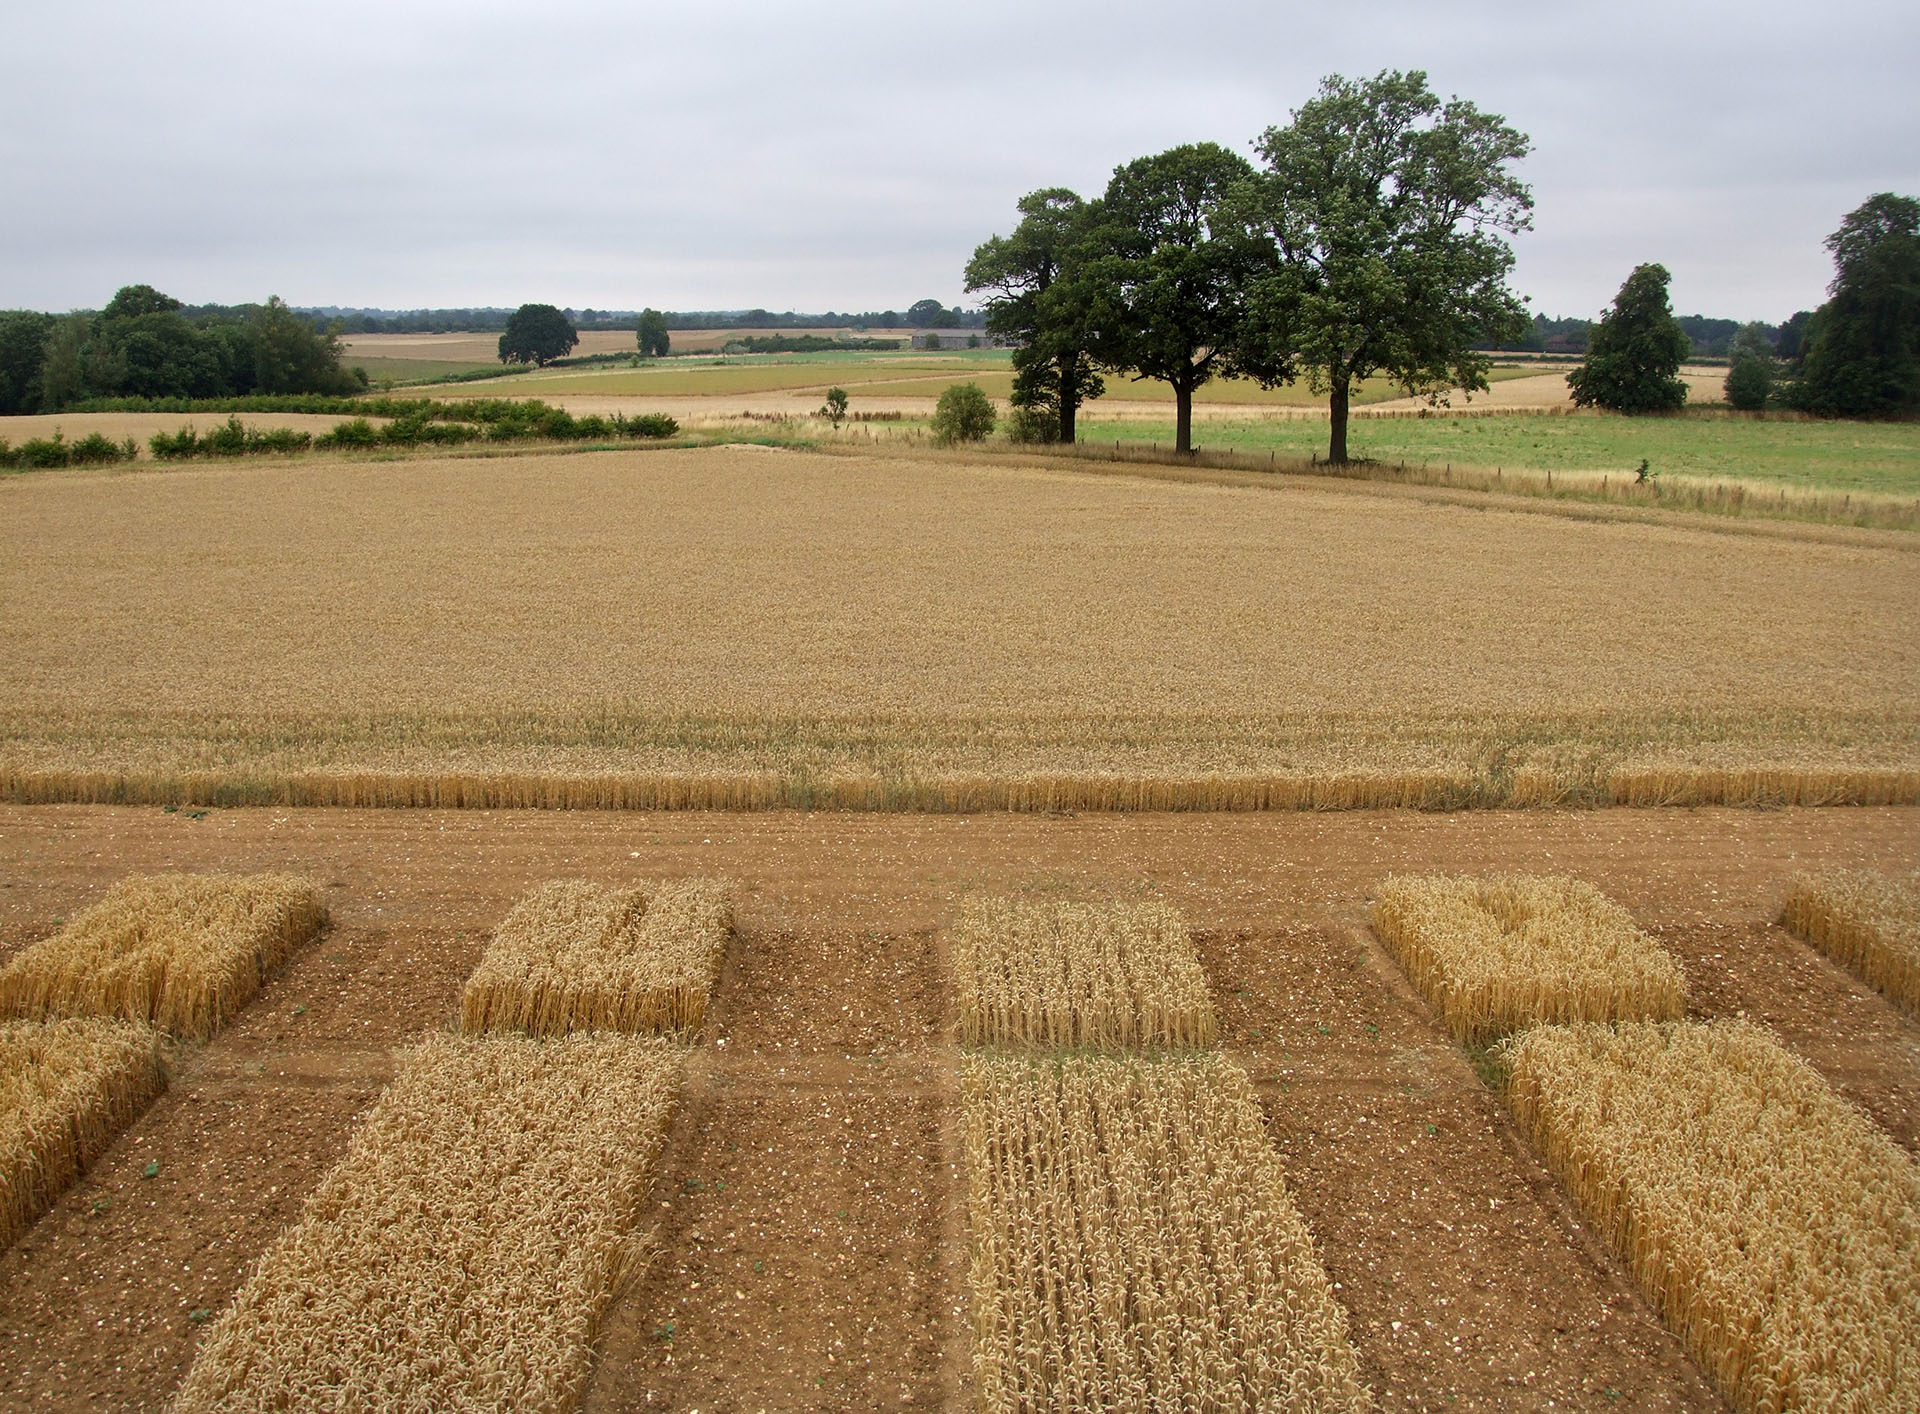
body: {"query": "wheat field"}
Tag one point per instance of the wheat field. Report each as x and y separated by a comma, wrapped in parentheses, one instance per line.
(67, 1089)
(1073, 975)
(183, 952)
(1135, 1245)
(734, 627)
(461, 1254)
(572, 956)
(1498, 954)
(1864, 921)
(1774, 1226)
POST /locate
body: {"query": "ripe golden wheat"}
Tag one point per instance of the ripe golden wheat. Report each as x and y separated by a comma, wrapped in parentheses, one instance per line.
(1064, 974)
(1868, 922)
(1135, 1246)
(67, 1089)
(1776, 1228)
(461, 1254)
(1497, 954)
(183, 952)
(573, 956)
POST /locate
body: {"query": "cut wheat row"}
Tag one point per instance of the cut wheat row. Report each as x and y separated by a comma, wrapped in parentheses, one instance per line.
(572, 956)
(1135, 1246)
(1497, 954)
(1775, 1227)
(67, 1090)
(460, 1256)
(1079, 975)
(1864, 921)
(182, 952)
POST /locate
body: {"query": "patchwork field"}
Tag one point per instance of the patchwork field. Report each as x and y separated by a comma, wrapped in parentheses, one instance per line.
(741, 626)
(805, 1216)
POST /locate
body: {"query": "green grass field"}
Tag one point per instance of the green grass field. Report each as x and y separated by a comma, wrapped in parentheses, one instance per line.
(1879, 457)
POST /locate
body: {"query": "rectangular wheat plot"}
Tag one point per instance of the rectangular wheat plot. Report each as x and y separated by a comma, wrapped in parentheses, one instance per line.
(1497, 954)
(461, 1254)
(1066, 974)
(1774, 1225)
(67, 1090)
(182, 952)
(572, 956)
(1135, 1246)
(1863, 921)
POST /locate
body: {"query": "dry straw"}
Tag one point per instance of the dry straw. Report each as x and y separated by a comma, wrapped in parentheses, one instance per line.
(183, 952)
(1063, 974)
(459, 1257)
(67, 1089)
(572, 956)
(1135, 1246)
(1497, 954)
(1868, 922)
(1774, 1226)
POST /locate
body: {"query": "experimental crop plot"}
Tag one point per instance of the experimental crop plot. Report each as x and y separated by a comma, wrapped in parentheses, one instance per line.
(1079, 975)
(1497, 954)
(1772, 1224)
(461, 1254)
(67, 1090)
(572, 956)
(182, 952)
(1869, 923)
(1135, 1245)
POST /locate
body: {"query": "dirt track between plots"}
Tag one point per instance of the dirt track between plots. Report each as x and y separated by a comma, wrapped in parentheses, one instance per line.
(809, 1209)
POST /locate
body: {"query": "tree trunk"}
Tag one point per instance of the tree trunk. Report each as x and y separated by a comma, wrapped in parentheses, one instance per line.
(1337, 415)
(1069, 401)
(1183, 417)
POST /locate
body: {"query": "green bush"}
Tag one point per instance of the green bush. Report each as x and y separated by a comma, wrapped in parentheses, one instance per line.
(963, 414)
(1750, 384)
(647, 424)
(42, 453)
(174, 446)
(96, 450)
(355, 434)
(1032, 425)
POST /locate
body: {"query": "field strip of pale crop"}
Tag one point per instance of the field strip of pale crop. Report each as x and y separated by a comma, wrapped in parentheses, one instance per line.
(572, 956)
(181, 952)
(67, 1090)
(1774, 1226)
(1135, 1244)
(1496, 955)
(461, 1254)
(1864, 921)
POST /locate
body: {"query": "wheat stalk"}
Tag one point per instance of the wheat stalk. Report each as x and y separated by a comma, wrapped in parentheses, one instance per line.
(1864, 921)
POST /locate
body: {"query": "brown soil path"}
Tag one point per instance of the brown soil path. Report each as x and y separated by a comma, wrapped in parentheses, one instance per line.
(828, 1112)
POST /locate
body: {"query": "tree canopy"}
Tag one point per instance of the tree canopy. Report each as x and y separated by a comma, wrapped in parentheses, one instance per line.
(651, 334)
(1053, 371)
(1166, 272)
(1861, 349)
(1384, 210)
(537, 334)
(1635, 351)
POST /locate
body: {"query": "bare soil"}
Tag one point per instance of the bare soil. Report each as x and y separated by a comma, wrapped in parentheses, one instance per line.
(809, 1212)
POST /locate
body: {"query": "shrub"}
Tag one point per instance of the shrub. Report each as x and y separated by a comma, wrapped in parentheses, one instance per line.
(44, 452)
(963, 414)
(97, 450)
(357, 433)
(1032, 425)
(647, 424)
(174, 446)
(1749, 384)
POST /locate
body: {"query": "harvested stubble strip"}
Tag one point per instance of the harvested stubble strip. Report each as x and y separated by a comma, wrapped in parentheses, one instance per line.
(1864, 921)
(67, 1089)
(1135, 1246)
(572, 956)
(461, 1254)
(1063, 974)
(183, 952)
(1498, 954)
(1777, 1229)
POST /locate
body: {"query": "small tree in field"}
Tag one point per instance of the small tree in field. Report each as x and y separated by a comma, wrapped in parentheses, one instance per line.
(537, 334)
(1634, 353)
(835, 410)
(1750, 379)
(651, 335)
(963, 414)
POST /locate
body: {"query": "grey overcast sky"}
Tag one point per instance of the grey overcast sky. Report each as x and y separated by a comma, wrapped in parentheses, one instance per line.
(730, 154)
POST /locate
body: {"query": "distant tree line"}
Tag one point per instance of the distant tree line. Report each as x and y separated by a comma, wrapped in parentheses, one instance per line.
(922, 314)
(148, 345)
(1706, 337)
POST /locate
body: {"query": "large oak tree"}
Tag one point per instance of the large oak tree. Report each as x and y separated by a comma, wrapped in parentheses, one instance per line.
(1862, 354)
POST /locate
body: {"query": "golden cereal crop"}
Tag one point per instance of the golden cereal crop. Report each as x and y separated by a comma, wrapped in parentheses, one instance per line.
(1065, 974)
(67, 1089)
(1865, 921)
(1775, 1227)
(1497, 954)
(181, 951)
(460, 1255)
(572, 956)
